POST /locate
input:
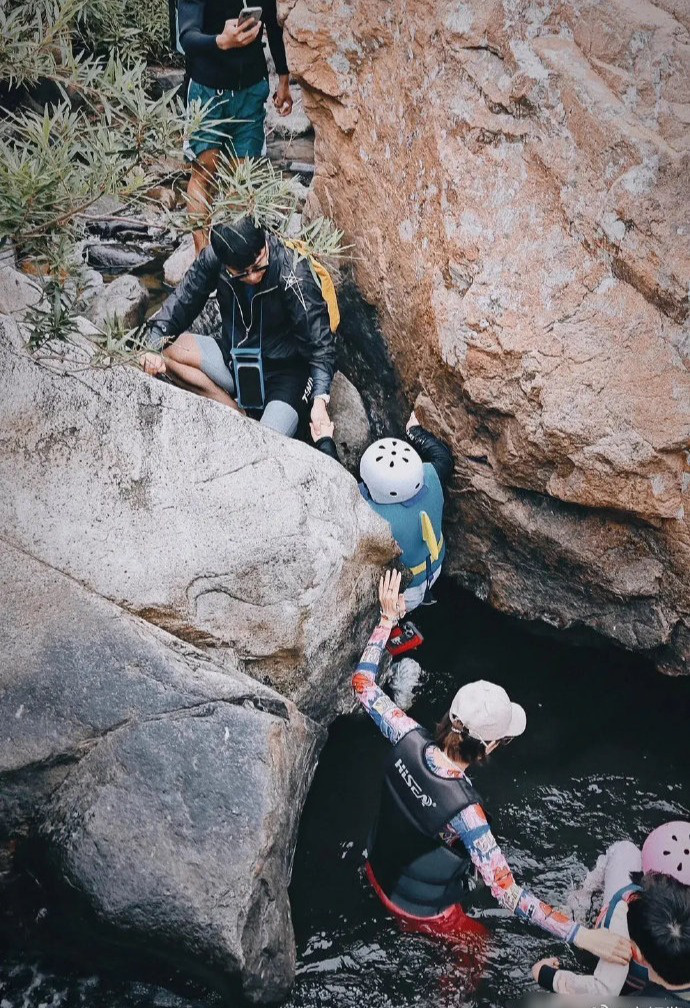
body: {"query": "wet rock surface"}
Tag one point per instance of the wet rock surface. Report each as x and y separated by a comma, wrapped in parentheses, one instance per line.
(263, 548)
(525, 250)
(163, 789)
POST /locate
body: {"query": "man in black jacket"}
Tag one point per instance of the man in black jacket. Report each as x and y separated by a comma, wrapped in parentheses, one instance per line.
(276, 350)
(226, 67)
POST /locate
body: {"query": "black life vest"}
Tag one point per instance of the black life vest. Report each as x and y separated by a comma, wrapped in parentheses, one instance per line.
(416, 870)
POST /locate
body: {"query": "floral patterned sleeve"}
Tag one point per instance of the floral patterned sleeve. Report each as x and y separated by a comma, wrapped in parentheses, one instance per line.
(472, 828)
(391, 721)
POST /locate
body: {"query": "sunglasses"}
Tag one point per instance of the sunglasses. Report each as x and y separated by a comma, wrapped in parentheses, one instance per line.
(248, 272)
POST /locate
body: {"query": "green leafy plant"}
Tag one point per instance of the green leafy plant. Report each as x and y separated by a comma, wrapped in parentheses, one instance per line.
(99, 133)
(138, 28)
(254, 187)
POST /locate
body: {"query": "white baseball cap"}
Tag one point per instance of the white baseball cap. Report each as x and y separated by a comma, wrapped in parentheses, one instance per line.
(486, 711)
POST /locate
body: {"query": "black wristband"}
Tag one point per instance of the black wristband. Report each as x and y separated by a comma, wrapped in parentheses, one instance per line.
(546, 977)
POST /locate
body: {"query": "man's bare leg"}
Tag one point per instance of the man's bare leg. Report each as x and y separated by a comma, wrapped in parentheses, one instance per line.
(200, 194)
(183, 365)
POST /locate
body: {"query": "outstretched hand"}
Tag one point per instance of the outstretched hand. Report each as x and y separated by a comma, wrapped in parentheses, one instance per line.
(604, 944)
(391, 600)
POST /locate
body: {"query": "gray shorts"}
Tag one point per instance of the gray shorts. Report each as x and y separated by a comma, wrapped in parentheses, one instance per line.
(285, 390)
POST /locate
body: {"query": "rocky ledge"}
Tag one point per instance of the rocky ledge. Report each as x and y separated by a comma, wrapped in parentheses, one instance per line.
(186, 593)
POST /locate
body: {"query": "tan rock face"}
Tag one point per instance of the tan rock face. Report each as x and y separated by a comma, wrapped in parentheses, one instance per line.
(513, 176)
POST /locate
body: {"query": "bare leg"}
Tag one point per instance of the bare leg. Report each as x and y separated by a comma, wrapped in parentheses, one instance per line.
(200, 193)
(183, 365)
(622, 858)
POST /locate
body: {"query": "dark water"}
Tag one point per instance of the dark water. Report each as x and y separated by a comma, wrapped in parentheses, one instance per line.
(605, 757)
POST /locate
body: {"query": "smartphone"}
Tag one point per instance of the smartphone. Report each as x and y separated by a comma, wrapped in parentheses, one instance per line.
(249, 14)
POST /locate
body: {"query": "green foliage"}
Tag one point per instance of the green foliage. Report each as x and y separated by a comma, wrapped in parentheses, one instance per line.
(100, 134)
(254, 187)
(138, 28)
(54, 318)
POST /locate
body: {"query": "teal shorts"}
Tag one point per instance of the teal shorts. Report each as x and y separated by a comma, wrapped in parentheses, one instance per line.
(244, 137)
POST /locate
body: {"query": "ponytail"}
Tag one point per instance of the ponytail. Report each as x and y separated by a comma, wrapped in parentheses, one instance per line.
(457, 743)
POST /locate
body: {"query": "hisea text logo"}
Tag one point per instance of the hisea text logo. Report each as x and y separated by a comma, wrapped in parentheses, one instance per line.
(413, 785)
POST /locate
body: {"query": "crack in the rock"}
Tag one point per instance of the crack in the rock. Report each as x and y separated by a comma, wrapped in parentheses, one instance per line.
(205, 708)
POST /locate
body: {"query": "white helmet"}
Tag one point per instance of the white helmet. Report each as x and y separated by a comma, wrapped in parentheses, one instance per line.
(392, 471)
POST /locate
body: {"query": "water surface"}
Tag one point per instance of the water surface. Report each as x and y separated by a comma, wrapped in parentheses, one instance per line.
(604, 758)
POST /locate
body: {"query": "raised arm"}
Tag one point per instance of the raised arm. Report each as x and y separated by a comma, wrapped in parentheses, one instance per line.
(431, 449)
(472, 828)
(391, 721)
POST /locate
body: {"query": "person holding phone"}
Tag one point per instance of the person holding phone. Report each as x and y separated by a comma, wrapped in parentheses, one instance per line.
(226, 66)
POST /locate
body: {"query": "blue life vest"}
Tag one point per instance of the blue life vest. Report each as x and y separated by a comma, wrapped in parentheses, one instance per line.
(413, 532)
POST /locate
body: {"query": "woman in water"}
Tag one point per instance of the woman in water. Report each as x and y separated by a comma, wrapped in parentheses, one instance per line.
(432, 831)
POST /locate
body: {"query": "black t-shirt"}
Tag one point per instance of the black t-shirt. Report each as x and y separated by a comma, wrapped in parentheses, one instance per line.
(199, 21)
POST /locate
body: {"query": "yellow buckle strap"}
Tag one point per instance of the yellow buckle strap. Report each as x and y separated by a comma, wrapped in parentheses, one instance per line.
(422, 566)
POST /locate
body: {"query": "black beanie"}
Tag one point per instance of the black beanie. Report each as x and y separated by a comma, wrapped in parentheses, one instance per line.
(237, 245)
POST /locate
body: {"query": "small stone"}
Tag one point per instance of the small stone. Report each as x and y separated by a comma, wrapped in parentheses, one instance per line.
(176, 265)
(123, 301)
(352, 430)
(163, 79)
(112, 256)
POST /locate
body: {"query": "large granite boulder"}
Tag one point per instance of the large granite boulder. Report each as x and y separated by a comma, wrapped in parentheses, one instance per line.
(192, 517)
(163, 788)
(524, 242)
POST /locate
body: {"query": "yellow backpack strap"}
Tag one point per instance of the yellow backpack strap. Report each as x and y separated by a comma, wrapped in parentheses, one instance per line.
(324, 279)
(429, 536)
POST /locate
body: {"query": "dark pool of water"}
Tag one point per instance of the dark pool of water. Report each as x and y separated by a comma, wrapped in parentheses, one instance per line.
(604, 757)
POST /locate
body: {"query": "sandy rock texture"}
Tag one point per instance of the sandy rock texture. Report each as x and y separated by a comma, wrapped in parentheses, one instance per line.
(196, 519)
(514, 178)
(163, 789)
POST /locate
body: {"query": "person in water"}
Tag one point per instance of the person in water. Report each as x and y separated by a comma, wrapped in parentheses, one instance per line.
(432, 830)
(630, 880)
(276, 349)
(404, 481)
